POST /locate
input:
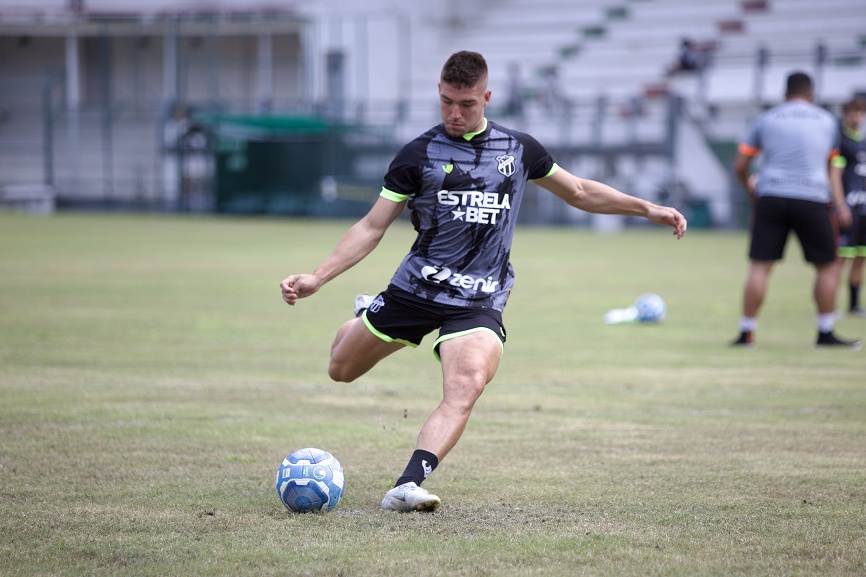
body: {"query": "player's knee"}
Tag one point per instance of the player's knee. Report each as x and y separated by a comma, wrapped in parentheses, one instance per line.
(470, 389)
(342, 371)
(338, 373)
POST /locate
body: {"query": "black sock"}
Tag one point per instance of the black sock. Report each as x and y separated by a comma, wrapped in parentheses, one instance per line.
(419, 468)
(854, 295)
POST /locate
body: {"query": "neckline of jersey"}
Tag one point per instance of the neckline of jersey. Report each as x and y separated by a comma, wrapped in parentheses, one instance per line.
(852, 134)
(470, 135)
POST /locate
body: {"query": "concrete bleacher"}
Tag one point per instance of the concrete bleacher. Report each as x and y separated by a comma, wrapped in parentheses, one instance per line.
(652, 12)
(630, 51)
(804, 25)
(607, 53)
(742, 49)
(791, 31)
(644, 43)
(809, 8)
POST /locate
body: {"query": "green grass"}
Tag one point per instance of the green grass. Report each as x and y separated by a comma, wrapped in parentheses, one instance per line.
(151, 380)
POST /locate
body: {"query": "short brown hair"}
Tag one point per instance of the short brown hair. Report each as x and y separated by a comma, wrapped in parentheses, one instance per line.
(464, 69)
(856, 104)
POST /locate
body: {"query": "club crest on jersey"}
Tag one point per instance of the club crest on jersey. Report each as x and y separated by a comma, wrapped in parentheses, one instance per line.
(506, 164)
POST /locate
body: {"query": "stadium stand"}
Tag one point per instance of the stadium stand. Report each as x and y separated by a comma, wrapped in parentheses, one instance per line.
(612, 60)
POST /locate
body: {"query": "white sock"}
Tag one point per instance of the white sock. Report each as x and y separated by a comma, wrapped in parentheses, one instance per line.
(748, 324)
(826, 322)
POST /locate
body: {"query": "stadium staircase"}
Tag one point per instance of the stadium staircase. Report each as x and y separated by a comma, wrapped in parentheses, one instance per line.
(616, 53)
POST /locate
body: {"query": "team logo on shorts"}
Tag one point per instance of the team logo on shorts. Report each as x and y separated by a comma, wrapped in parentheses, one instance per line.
(506, 164)
(377, 304)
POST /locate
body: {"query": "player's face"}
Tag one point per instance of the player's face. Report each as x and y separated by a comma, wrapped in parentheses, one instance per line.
(463, 108)
(853, 119)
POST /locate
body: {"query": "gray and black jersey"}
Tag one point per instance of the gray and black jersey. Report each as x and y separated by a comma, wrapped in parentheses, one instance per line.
(853, 151)
(464, 195)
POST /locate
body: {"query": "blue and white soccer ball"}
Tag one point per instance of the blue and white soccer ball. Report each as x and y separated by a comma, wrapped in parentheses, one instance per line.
(310, 480)
(650, 308)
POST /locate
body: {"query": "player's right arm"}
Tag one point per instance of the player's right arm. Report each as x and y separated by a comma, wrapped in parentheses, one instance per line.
(742, 171)
(358, 242)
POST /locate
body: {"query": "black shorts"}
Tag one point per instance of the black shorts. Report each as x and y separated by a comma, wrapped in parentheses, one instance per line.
(813, 223)
(398, 316)
(852, 241)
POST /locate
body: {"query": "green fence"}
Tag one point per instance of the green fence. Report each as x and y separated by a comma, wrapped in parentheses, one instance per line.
(287, 165)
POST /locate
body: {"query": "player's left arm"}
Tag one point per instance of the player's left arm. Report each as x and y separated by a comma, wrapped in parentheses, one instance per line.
(837, 190)
(594, 196)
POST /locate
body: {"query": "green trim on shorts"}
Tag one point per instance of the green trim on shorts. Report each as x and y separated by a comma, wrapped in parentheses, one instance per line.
(851, 251)
(450, 336)
(382, 335)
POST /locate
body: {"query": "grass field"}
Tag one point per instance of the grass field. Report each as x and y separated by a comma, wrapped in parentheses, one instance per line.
(151, 381)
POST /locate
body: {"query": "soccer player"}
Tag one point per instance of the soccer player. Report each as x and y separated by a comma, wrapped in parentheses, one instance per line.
(797, 141)
(852, 162)
(463, 180)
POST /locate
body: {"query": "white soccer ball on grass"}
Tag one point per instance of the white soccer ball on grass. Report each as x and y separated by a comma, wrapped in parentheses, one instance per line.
(310, 480)
(651, 308)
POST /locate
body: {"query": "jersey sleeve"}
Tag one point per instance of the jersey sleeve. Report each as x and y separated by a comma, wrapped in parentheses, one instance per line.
(836, 153)
(403, 178)
(538, 162)
(751, 146)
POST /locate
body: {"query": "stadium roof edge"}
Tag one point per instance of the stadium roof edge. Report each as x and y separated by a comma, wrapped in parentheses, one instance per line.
(38, 17)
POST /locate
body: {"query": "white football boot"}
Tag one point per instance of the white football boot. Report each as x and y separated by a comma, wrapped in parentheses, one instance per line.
(410, 497)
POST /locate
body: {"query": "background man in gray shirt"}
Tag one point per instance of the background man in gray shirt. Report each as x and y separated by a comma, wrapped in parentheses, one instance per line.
(793, 191)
